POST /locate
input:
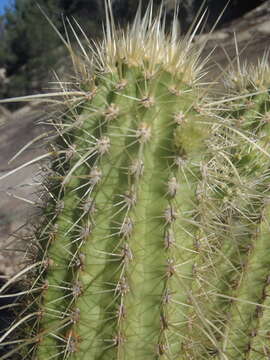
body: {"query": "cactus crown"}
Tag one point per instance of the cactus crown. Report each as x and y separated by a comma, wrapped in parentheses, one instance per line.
(145, 43)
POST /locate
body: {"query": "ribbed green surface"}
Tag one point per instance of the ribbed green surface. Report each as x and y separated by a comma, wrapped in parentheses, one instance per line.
(155, 237)
(160, 245)
(136, 262)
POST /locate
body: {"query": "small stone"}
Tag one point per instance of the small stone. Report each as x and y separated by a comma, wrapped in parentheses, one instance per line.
(264, 27)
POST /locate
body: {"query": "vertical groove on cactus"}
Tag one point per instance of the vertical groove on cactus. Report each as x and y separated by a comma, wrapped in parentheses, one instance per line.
(250, 292)
(234, 286)
(129, 252)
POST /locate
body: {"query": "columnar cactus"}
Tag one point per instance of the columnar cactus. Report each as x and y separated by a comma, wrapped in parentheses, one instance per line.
(154, 237)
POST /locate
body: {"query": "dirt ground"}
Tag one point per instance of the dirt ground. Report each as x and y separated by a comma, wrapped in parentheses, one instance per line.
(18, 191)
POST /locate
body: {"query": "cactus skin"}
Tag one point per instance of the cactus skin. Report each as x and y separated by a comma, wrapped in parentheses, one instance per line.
(154, 238)
(121, 261)
(117, 241)
(248, 310)
(236, 291)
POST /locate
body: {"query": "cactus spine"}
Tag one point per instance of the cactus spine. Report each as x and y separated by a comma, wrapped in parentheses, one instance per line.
(114, 258)
(154, 237)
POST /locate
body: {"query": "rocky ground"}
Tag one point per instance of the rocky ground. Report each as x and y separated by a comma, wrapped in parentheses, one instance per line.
(17, 191)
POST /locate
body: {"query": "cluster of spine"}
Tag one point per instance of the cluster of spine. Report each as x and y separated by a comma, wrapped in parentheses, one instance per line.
(120, 246)
(154, 242)
(230, 293)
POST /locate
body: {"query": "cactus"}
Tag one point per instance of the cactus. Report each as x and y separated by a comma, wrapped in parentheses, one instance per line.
(153, 241)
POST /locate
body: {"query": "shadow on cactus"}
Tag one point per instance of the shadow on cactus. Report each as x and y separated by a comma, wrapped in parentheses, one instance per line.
(154, 236)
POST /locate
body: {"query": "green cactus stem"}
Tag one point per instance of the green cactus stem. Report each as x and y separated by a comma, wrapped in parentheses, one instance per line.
(153, 242)
(232, 283)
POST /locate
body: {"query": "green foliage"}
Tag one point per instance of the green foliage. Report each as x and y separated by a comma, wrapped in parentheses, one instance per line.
(28, 45)
(28, 33)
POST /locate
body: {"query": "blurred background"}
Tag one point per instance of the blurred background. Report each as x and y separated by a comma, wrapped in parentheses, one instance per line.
(30, 52)
(30, 48)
